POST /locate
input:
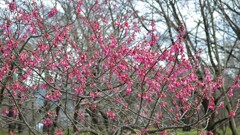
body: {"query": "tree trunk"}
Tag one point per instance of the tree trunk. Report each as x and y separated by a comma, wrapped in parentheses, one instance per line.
(75, 115)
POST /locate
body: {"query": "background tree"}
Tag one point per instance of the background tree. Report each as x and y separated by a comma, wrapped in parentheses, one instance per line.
(211, 26)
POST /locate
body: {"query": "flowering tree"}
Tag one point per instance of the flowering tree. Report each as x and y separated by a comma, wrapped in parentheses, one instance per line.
(88, 65)
(211, 26)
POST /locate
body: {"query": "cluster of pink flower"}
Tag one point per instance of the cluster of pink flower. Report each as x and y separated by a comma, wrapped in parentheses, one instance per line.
(59, 132)
(111, 115)
(51, 114)
(5, 111)
(55, 95)
(12, 6)
(47, 122)
(94, 94)
(52, 12)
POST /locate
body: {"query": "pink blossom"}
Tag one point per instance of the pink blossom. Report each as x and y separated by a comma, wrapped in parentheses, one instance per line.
(230, 93)
(11, 133)
(52, 12)
(49, 96)
(12, 6)
(129, 90)
(79, 91)
(202, 133)
(93, 106)
(47, 122)
(144, 96)
(164, 104)
(57, 94)
(232, 114)
(164, 132)
(210, 133)
(59, 132)
(94, 94)
(211, 104)
(221, 104)
(96, 26)
(149, 99)
(111, 114)
(105, 20)
(49, 114)
(152, 23)
(5, 111)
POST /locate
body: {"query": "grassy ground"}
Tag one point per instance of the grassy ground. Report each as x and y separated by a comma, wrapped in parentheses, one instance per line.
(172, 132)
(197, 132)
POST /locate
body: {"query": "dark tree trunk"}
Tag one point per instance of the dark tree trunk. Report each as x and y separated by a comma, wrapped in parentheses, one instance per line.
(211, 124)
(20, 126)
(75, 115)
(11, 126)
(105, 119)
(211, 120)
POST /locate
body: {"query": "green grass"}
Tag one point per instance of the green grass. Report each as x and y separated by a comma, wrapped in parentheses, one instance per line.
(197, 132)
(192, 132)
(65, 132)
(70, 132)
(169, 132)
